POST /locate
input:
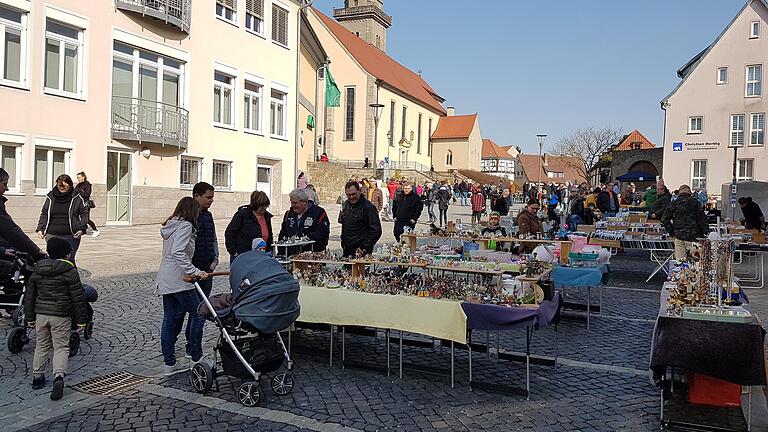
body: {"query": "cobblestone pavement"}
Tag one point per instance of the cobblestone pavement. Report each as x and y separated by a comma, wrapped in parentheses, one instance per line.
(601, 382)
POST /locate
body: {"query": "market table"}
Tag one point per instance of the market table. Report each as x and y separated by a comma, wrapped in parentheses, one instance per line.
(442, 319)
(728, 351)
(582, 277)
(566, 246)
(748, 250)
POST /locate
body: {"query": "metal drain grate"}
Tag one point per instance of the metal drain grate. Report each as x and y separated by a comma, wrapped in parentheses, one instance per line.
(112, 384)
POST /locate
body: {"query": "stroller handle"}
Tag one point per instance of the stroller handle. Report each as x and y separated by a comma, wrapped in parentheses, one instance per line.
(191, 279)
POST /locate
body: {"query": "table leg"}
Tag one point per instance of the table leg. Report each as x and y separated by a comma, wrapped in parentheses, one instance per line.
(452, 369)
(469, 351)
(528, 363)
(290, 332)
(330, 355)
(661, 265)
(556, 350)
(589, 305)
(498, 345)
(487, 344)
(343, 345)
(749, 411)
(401, 354)
(386, 332)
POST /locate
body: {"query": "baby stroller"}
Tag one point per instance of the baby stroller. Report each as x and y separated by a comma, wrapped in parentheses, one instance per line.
(263, 301)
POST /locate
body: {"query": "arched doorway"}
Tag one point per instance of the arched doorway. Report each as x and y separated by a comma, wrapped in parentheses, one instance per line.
(644, 166)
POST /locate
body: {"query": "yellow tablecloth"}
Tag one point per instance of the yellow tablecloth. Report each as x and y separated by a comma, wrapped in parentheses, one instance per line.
(437, 318)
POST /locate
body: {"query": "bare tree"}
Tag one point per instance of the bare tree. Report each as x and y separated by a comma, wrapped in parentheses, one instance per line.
(586, 146)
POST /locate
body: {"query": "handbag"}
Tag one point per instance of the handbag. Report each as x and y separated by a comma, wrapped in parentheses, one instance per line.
(91, 204)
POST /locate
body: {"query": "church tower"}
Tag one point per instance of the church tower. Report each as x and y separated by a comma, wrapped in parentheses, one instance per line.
(366, 19)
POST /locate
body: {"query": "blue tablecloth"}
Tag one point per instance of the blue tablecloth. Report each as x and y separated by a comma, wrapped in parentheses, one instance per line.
(492, 317)
(578, 276)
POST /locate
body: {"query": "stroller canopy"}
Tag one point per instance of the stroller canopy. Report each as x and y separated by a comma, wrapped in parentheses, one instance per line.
(264, 294)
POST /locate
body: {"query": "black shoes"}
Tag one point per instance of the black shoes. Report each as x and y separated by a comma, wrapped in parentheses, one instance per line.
(38, 382)
(58, 388)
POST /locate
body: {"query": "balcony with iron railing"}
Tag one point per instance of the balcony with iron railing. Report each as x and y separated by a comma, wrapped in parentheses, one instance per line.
(135, 119)
(353, 11)
(174, 12)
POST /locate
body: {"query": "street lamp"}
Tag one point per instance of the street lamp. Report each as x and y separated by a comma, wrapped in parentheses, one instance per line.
(377, 108)
(541, 138)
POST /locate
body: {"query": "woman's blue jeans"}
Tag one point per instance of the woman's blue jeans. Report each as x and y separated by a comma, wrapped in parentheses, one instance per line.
(175, 308)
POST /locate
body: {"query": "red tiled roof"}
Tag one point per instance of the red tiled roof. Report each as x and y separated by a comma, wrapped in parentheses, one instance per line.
(633, 137)
(383, 67)
(564, 164)
(455, 127)
(491, 150)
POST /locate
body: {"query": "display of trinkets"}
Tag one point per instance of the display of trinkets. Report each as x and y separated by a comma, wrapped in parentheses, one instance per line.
(294, 241)
(318, 256)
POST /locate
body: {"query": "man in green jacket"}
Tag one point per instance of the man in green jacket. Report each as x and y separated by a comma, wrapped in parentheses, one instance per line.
(650, 195)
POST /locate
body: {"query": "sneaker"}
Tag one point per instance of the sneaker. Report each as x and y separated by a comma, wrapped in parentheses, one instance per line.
(96, 234)
(58, 388)
(202, 360)
(38, 382)
(188, 356)
(173, 369)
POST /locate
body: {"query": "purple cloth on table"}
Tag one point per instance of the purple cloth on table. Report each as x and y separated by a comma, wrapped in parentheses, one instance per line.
(492, 317)
(577, 276)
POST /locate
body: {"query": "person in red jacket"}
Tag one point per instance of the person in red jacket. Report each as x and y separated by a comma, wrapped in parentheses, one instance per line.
(478, 204)
(392, 188)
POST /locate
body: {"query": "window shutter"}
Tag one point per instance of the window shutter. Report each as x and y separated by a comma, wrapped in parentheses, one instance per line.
(255, 8)
(229, 4)
(279, 25)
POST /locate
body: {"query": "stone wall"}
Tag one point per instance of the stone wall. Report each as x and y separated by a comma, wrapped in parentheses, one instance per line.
(328, 178)
(622, 161)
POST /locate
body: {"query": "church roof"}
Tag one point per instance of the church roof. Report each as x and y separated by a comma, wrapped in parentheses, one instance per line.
(384, 67)
(491, 150)
(455, 127)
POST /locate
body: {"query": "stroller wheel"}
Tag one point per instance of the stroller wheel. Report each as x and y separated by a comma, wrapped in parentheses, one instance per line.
(249, 393)
(74, 343)
(88, 331)
(17, 338)
(201, 377)
(18, 316)
(282, 384)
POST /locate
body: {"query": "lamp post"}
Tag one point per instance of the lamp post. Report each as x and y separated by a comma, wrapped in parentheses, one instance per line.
(541, 138)
(377, 108)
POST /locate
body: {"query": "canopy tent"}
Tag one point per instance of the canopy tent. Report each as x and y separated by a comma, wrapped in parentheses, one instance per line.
(637, 176)
(756, 189)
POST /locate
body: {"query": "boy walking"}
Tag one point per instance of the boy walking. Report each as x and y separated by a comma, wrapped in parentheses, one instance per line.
(54, 297)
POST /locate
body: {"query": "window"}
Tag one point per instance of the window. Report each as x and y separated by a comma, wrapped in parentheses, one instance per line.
(699, 174)
(695, 125)
(277, 114)
(754, 80)
(252, 107)
(449, 158)
(227, 9)
(223, 99)
(190, 172)
(10, 156)
(754, 30)
(13, 46)
(49, 164)
(636, 145)
(63, 58)
(391, 134)
(159, 81)
(737, 130)
(254, 16)
(222, 175)
(757, 129)
(745, 170)
(403, 126)
(279, 25)
(429, 139)
(722, 75)
(349, 113)
(418, 135)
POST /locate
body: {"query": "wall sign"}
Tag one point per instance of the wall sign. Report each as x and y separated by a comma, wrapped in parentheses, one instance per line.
(712, 145)
(677, 147)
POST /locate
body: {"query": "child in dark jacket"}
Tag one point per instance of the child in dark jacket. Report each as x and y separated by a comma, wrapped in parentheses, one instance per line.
(54, 296)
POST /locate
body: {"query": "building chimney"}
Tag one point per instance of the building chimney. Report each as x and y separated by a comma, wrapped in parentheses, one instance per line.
(546, 159)
(451, 111)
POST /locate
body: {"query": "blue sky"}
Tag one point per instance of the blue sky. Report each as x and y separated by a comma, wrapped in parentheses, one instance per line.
(552, 66)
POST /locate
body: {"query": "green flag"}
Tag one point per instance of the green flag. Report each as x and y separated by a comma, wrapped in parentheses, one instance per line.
(332, 93)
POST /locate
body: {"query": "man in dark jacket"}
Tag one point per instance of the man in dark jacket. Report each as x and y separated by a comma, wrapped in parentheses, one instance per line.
(360, 225)
(11, 236)
(685, 220)
(407, 210)
(608, 202)
(54, 297)
(305, 219)
(753, 216)
(660, 203)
